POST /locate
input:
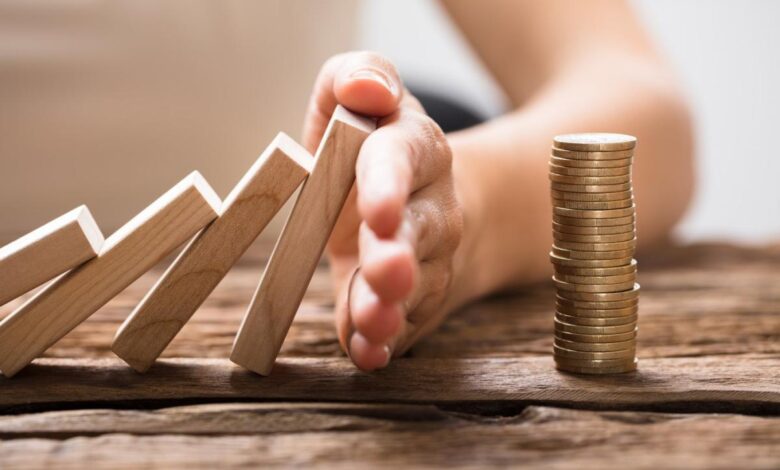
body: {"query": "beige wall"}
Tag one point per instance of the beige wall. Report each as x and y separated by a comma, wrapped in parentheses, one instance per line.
(110, 103)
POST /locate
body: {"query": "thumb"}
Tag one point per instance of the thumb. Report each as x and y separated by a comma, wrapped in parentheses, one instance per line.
(363, 82)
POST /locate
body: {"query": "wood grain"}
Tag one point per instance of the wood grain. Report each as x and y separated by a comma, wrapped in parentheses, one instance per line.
(47, 252)
(688, 309)
(128, 253)
(744, 383)
(709, 342)
(207, 259)
(301, 243)
(220, 419)
(388, 436)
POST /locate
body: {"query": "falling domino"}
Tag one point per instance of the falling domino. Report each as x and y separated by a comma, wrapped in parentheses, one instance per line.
(47, 252)
(201, 266)
(300, 246)
(125, 256)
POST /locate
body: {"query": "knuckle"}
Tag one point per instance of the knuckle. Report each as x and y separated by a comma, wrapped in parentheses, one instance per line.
(330, 67)
(376, 59)
(449, 221)
(333, 62)
(417, 216)
(439, 143)
(437, 220)
(439, 281)
(432, 146)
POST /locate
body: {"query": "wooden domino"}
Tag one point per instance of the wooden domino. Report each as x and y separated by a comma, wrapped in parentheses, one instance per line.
(301, 243)
(47, 252)
(126, 255)
(201, 266)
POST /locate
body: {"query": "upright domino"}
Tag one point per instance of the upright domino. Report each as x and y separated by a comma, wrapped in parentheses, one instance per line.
(201, 266)
(300, 246)
(47, 252)
(125, 256)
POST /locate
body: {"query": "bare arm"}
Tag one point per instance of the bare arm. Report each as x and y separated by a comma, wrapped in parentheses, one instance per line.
(566, 67)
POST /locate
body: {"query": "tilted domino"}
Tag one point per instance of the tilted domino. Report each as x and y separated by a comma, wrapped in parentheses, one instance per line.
(259, 195)
(301, 244)
(125, 256)
(47, 252)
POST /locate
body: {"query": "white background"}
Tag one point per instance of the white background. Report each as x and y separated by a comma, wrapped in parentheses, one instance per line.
(727, 55)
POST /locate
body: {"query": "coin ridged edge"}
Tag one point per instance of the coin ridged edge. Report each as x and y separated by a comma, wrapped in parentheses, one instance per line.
(594, 142)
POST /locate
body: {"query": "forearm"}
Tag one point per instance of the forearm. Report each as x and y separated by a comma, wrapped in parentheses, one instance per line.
(501, 167)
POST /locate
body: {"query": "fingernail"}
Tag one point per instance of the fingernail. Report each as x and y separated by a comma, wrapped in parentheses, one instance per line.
(377, 76)
(388, 355)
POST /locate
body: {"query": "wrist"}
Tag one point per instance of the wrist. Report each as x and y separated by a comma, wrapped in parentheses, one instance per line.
(470, 278)
(504, 196)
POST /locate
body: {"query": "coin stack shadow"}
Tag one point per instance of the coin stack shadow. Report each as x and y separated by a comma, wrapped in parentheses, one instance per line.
(594, 238)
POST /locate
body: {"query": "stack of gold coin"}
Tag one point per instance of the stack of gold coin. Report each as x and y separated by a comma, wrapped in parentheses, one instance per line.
(594, 237)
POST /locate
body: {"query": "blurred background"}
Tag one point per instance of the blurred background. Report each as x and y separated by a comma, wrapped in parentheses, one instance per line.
(725, 54)
(111, 103)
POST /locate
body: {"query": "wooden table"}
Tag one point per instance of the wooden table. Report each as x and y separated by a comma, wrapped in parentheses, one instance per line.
(481, 391)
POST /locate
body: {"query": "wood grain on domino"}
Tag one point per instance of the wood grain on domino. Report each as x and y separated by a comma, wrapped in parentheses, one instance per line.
(127, 254)
(47, 252)
(259, 195)
(300, 246)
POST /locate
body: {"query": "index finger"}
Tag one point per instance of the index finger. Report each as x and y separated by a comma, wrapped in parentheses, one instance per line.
(363, 82)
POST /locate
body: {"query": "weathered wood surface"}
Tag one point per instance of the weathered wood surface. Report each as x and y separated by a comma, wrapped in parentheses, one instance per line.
(748, 383)
(386, 436)
(709, 342)
(695, 301)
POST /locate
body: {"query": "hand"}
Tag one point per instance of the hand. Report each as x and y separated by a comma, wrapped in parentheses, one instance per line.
(402, 221)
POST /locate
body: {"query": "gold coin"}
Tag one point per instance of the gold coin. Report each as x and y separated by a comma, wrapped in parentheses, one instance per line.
(611, 238)
(587, 263)
(597, 321)
(591, 197)
(594, 142)
(601, 297)
(595, 155)
(586, 306)
(593, 330)
(590, 179)
(594, 347)
(613, 338)
(603, 222)
(602, 230)
(576, 250)
(584, 355)
(624, 255)
(592, 205)
(571, 287)
(607, 246)
(600, 370)
(590, 172)
(572, 163)
(591, 188)
(595, 214)
(596, 313)
(617, 279)
(616, 271)
(622, 361)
